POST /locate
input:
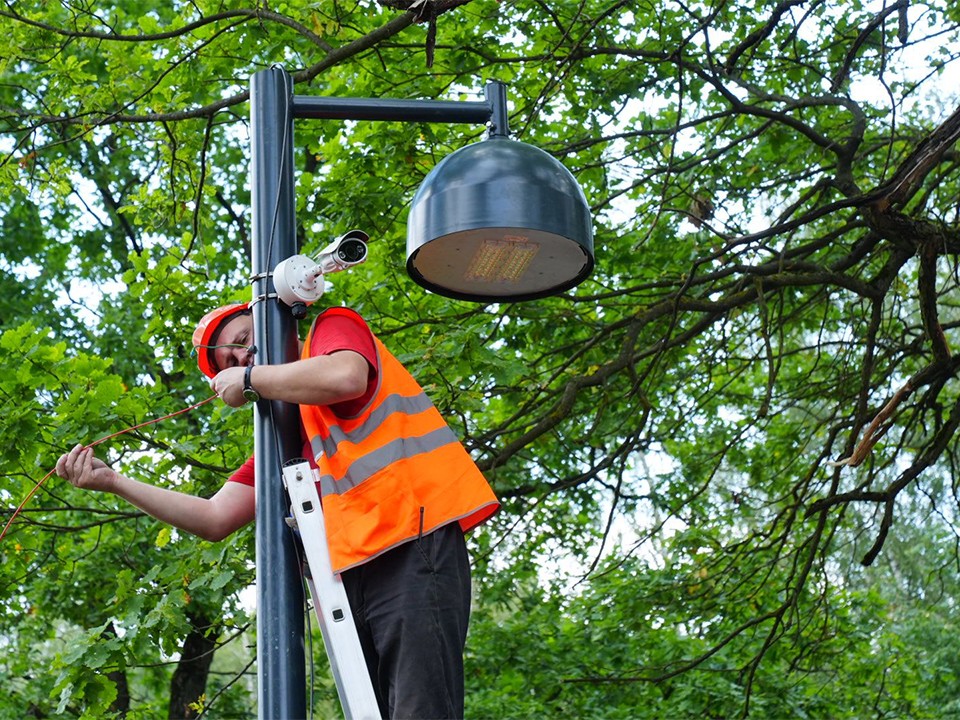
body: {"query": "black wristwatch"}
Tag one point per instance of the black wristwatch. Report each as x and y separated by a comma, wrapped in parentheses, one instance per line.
(249, 393)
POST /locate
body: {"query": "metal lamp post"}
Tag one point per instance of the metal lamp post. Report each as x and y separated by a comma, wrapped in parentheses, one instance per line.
(495, 221)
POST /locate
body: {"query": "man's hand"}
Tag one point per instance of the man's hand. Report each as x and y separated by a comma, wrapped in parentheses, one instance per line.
(83, 470)
(228, 385)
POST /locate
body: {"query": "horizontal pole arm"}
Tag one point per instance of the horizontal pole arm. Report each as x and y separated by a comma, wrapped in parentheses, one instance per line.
(338, 108)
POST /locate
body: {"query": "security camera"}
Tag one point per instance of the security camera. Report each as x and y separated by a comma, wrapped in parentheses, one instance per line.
(346, 251)
(299, 279)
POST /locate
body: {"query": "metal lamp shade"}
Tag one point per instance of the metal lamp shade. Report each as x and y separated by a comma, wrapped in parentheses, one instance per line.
(499, 220)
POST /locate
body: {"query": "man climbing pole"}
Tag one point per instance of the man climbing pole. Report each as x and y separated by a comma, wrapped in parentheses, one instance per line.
(398, 492)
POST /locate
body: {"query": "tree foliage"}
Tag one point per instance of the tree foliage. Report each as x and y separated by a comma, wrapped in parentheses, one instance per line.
(727, 460)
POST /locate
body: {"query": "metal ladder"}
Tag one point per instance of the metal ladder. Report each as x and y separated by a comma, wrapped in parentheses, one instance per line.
(329, 596)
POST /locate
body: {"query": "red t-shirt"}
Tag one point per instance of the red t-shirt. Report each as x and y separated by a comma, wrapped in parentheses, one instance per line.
(332, 334)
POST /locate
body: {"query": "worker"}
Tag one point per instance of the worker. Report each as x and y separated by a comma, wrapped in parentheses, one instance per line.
(398, 492)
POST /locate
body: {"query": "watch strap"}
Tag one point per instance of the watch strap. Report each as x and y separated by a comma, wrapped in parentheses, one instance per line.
(248, 392)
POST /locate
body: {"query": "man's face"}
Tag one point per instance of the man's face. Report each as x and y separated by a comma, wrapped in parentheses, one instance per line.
(234, 343)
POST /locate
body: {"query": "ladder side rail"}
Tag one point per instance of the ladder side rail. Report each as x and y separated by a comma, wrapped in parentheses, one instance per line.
(330, 598)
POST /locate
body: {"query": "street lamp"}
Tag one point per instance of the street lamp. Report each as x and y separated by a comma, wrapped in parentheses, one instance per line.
(499, 220)
(495, 221)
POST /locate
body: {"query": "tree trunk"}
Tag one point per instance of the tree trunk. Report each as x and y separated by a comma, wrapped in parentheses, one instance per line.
(189, 680)
(121, 705)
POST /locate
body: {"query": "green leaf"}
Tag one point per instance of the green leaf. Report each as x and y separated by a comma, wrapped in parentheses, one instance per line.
(163, 537)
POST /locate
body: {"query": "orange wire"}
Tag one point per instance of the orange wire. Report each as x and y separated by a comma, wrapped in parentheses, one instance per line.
(94, 444)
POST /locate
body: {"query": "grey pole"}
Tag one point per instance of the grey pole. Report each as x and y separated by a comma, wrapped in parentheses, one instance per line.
(281, 670)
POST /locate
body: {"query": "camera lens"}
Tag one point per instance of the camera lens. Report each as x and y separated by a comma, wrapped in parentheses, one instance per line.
(352, 251)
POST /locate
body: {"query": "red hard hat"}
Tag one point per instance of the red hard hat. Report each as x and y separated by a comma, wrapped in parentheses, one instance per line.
(207, 330)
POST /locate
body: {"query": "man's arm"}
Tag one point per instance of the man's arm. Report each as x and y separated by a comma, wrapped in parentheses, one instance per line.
(322, 380)
(213, 518)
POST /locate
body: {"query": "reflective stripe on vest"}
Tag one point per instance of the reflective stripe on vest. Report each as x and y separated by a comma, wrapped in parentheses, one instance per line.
(392, 404)
(373, 462)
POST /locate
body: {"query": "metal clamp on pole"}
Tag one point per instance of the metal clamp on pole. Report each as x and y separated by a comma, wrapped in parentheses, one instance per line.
(330, 598)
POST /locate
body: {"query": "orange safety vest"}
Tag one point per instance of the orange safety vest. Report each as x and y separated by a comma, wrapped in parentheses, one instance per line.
(393, 472)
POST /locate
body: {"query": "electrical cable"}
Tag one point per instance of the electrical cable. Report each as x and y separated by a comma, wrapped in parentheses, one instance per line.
(301, 561)
(94, 444)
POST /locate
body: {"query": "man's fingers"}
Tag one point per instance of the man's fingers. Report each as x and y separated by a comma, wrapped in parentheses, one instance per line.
(68, 461)
(74, 464)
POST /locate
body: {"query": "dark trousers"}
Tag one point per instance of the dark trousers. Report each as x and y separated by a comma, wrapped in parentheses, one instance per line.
(411, 606)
